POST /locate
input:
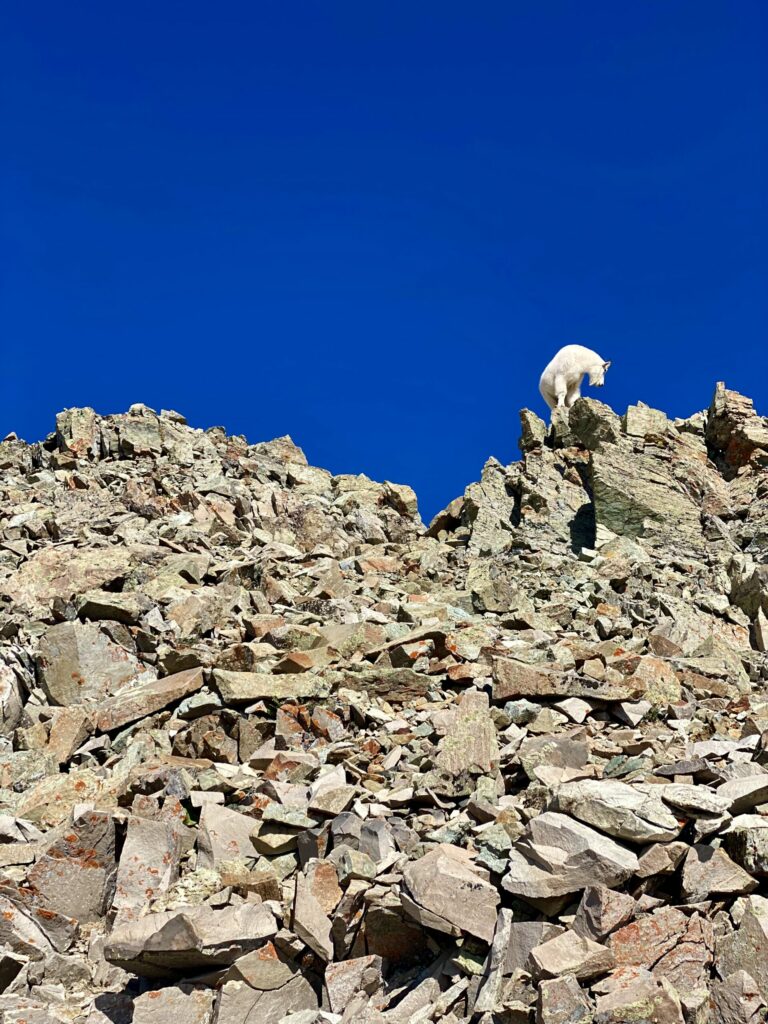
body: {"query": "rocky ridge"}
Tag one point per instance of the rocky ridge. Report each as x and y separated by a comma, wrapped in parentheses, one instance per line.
(272, 751)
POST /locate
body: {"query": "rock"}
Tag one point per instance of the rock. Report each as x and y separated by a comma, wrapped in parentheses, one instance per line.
(644, 941)
(645, 999)
(601, 911)
(190, 940)
(745, 794)
(280, 752)
(75, 876)
(558, 856)
(146, 698)
(79, 664)
(344, 980)
(149, 865)
(236, 687)
(694, 800)
(708, 872)
(746, 842)
(238, 1003)
(445, 891)
(620, 810)
(746, 948)
(641, 421)
(571, 954)
(183, 1004)
(224, 835)
(737, 1000)
(62, 573)
(515, 679)
(470, 742)
(661, 859)
(310, 922)
(561, 1001)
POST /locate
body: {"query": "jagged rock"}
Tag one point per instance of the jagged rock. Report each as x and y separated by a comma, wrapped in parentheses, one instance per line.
(182, 1004)
(515, 679)
(707, 871)
(561, 1001)
(745, 948)
(444, 890)
(571, 954)
(601, 911)
(620, 810)
(224, 835)
(746, 842)
(309, 920)
(238, 1003)
(149, 865)
(737, 1000)
(79, 664)
(75, 876)
(144, 699)
(470, 742)
(346, 979)
(189, 940)
(247, 747)
(558, 856)
(251, 686)
(648, 999)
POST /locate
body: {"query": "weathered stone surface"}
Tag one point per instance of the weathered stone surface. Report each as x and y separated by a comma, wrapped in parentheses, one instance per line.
(252, 698)
(515, 679)
(622, 811)
(746, 842)
(188, 941)
(182, 1004)
(79, 664)
(444, 890)
(149, 865)
(562, 1001)
(250, 686)
(62, 573)
(646, 999)
(238, 1003)
(344, 980)
(470, 742)
(224, 835)
(709, 872)
(559, 855)
(737, 1000)
(601, 911)
(571, 954)
(310, 922)
(144, 699)
(76, 874)
(746, 948)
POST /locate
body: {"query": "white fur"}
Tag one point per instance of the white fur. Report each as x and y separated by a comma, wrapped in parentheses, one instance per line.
(560, 384)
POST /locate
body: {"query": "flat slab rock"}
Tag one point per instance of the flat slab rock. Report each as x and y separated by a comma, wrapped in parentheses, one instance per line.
(189, 940)
(558, 855)
(445, 890)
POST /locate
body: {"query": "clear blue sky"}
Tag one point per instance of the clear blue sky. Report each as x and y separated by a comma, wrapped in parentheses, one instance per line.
(370, 225)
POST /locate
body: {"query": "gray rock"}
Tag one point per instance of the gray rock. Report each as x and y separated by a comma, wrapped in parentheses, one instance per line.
(182, 1004)
(189, 941)
(77, 663)
(444, 890)
(625, 812)
(559, 855)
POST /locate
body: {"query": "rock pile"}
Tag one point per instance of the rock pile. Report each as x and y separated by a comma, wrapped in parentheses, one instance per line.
(271, 751)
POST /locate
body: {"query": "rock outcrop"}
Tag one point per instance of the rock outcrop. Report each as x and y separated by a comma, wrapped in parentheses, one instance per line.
(271, 750)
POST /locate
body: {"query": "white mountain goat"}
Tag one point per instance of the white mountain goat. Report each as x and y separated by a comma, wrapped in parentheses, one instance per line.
(560, 383)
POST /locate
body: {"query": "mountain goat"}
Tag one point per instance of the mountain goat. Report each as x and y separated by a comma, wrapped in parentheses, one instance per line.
(560, 382)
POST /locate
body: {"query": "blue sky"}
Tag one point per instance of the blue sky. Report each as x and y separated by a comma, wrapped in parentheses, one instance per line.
(371, 225)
